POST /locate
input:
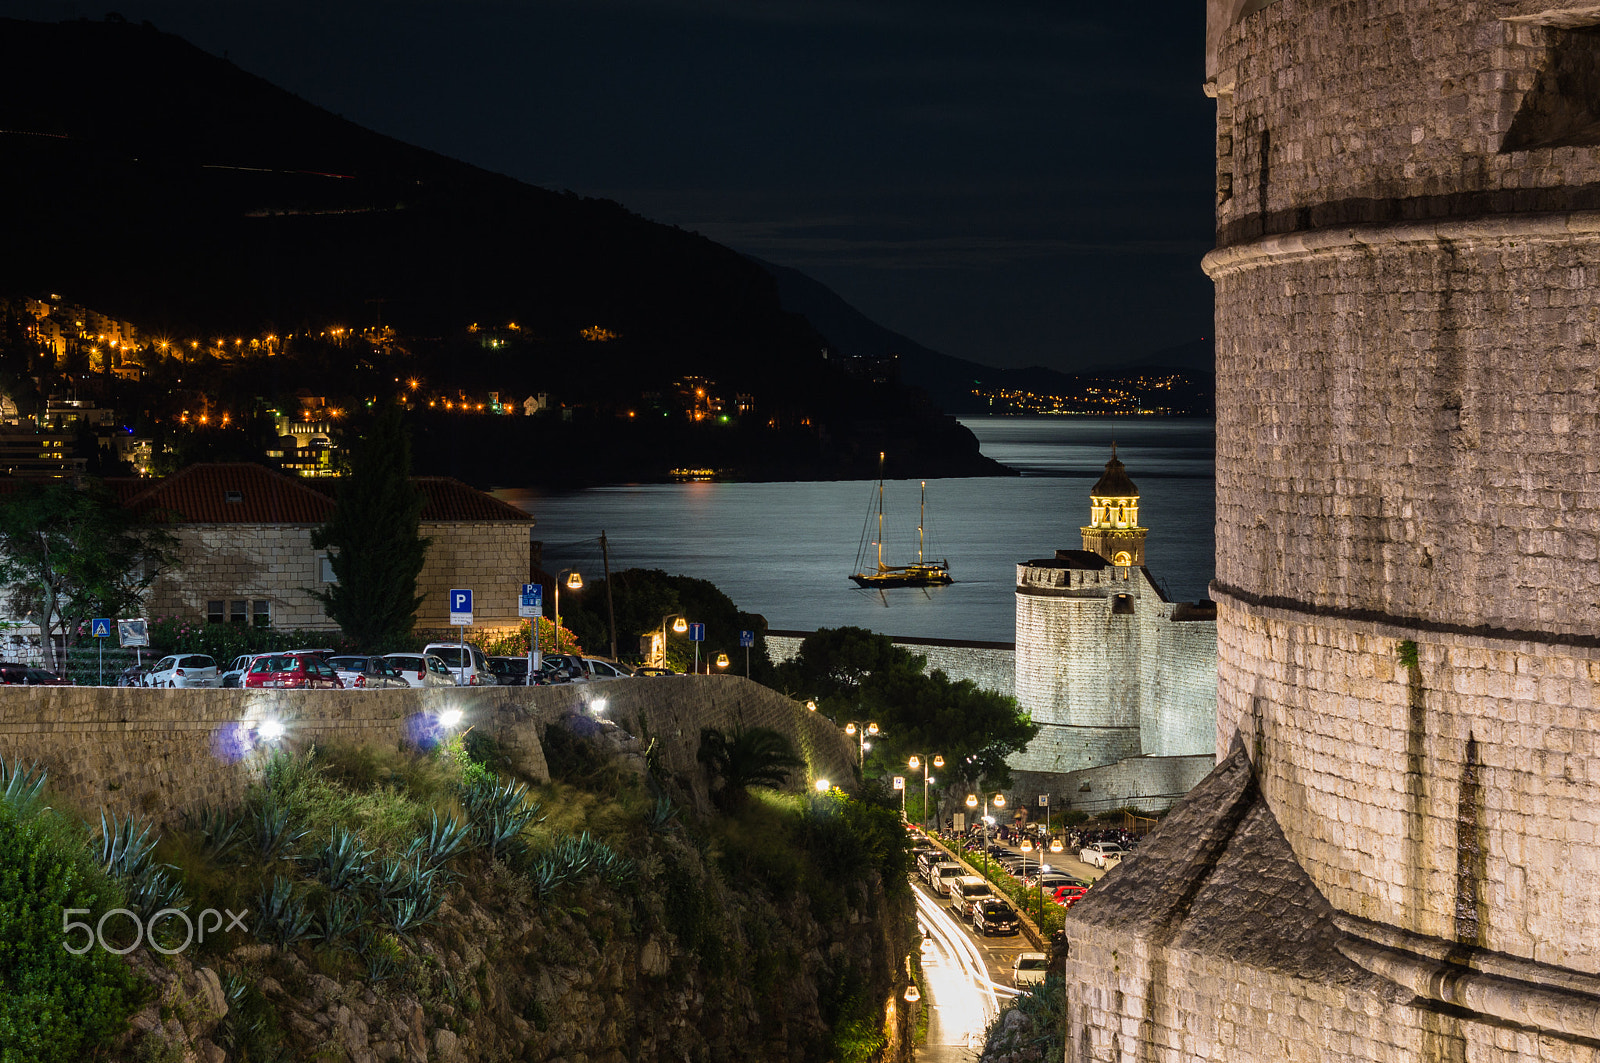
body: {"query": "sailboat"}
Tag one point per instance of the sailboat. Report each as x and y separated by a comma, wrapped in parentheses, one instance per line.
(921, 573)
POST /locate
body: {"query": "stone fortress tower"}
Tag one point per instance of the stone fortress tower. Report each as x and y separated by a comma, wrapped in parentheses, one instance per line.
(1107, 667)
(1398, 856)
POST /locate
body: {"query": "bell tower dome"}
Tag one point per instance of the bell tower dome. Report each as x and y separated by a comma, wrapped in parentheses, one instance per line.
(1113, 530)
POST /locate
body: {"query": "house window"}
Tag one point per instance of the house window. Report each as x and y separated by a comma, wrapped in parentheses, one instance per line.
(325, 569)
(233, 496)
(214, 613)
(262, 613)
(237, 612)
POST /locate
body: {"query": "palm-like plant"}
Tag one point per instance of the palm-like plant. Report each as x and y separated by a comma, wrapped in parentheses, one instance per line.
(757, 756)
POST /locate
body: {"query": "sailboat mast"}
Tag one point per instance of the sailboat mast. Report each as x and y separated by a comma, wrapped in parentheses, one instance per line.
(922, 513)
(880, 511)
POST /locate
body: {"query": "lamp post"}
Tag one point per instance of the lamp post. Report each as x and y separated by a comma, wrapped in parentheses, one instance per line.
(1027, 847)
(722, 660)
(679, 628)
(920, 760)
(574, 583)
(999, 802)
(861, 733)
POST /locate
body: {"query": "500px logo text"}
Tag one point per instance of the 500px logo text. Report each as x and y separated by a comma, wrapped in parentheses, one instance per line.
(146, 930)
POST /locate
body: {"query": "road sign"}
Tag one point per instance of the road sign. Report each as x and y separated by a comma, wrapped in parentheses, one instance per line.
(133, 633)
(461, 607)
(697, 632)
(531, 604)
(1044, 800)
(747, 639)
(899, 782)
(100, 628)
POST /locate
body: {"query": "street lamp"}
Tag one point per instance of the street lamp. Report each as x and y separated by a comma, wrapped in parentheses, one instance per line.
(999, 802)
(722, 660)
(680, 627)
(574, 583)
(861, 733)
(822, 786)
(811, 706)
(1027, 847)
(920, 760)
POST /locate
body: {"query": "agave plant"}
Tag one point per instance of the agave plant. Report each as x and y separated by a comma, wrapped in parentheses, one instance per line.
(281, 916)
(127, 853)
(399, 875)
(220, 833)
(663, 817)
(378, 952)
(272, 834)
(342, 863)
(20, 787)
(339, 917)
(410, 912)
(499, 813)
(444, 837)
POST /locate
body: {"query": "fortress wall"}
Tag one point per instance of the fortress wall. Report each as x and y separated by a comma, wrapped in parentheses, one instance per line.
(158, 752)
(1180, 697)
(991, 666)
(1150, 783)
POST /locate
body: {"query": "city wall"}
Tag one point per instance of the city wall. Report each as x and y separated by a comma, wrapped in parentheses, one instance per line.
(1151, 784)
(159, 752)
(991, 666)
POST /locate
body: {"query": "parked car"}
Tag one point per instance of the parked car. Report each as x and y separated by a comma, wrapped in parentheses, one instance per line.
(513, 671)
(599, 669)
(966, 892)
(564, 668)
(367, 672)
(995, 917)
(941, 874)
(1067, 896)
(1054, 880)
(1029, 969)
(26, 676)
(292, 671)
(422, 670)
(467, 663)
(1099, 854)
(651, 670)
(183, 670)
(233, 675)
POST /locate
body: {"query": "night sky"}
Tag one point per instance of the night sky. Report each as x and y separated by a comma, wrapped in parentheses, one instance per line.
(1013, 182)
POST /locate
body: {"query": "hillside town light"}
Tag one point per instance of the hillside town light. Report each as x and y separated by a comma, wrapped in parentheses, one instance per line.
(811, 706)
(920, 760)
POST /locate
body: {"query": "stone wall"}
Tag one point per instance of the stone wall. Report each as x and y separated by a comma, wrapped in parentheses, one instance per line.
(1149, 783)
(989, 665)
(243, 562)
(1109, 669)
(157, 752)
(491, 558)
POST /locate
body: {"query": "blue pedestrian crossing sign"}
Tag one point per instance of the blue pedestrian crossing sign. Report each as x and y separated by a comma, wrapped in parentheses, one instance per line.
(461, 607)
(531, 602)
(100, 628)
(697, 632)
(747, 639)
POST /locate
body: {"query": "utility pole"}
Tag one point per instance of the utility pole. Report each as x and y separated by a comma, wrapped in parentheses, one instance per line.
(611, 612)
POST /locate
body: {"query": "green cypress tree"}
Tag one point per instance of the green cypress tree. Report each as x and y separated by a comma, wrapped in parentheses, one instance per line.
(374, 541)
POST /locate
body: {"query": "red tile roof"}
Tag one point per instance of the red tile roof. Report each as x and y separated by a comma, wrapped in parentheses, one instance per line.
(233, 493)
(447, 500)
(200, 494)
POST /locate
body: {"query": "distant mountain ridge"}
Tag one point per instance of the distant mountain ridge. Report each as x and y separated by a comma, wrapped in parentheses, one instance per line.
(949, 380)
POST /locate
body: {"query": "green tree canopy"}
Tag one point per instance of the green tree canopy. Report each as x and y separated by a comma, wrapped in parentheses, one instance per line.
(374, 541)
(644, 597)
(859, 675)
(70, 554)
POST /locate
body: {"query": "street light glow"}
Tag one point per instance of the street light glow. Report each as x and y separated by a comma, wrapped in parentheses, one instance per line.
(449, 718)
(823, 785)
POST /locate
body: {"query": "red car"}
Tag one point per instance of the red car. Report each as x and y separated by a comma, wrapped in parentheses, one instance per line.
(1067, 896)
(292, 671)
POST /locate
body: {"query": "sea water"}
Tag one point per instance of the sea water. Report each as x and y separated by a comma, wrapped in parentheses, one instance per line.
(786, 550)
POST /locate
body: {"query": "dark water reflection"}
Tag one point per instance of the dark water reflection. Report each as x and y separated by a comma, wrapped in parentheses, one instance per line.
(786, 549)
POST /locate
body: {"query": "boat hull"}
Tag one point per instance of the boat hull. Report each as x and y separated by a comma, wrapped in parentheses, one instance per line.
(910, 576)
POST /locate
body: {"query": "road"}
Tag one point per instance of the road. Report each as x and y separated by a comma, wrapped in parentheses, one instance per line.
(968, 977)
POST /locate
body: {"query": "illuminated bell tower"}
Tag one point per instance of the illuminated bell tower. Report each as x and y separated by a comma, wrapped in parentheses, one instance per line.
(1113, 530)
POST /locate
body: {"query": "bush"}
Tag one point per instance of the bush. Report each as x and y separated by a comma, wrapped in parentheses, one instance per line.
(54, 1005)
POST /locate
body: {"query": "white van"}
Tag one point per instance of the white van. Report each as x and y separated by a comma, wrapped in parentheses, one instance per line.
(470, 668)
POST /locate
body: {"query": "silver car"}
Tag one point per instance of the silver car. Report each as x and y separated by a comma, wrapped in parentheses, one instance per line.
(368, 673)
(183, 670)
(422, 670)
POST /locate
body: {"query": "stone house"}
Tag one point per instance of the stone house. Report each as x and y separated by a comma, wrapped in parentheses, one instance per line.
(245, 554)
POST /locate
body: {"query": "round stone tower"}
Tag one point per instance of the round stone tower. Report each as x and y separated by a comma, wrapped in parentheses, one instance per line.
(1408, 488)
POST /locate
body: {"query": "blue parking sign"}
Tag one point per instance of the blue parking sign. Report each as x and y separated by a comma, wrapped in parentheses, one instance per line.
(747, 639)
(697, 632)
(461, 607)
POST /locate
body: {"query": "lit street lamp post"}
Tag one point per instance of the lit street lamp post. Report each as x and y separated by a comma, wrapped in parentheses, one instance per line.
(680, 628)
(920, 760)
(574, 583)
(861, 733)
(999, 802)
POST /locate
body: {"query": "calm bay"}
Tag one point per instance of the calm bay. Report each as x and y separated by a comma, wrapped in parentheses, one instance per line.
(786, 550)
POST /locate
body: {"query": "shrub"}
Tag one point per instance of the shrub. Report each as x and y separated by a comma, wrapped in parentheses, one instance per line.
(54, 1005)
